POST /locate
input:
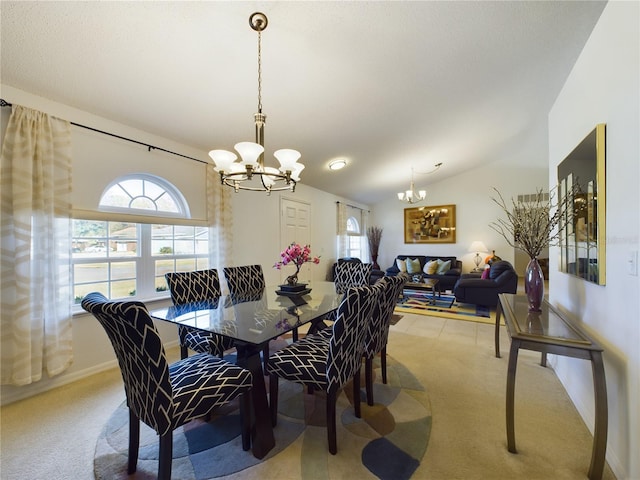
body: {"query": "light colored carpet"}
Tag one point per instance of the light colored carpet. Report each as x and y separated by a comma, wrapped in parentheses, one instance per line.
(53, 435)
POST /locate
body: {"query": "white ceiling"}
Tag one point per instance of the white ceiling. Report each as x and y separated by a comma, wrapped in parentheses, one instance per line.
(390, 85)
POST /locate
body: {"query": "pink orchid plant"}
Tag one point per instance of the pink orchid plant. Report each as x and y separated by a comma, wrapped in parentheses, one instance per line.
(295, 254)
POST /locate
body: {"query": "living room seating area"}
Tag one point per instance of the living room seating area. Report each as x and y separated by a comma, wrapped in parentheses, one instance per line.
(446, 270)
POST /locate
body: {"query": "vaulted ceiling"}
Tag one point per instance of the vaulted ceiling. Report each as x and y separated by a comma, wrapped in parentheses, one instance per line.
(390, 85)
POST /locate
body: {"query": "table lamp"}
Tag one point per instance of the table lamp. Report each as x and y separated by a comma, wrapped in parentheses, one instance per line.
(478, 247)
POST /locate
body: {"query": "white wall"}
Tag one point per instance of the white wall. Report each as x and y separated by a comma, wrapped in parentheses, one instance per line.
(604, 87)
(471, 192)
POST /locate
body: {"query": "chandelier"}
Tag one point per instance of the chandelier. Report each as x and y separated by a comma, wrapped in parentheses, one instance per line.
(411, 196)
(250, 173)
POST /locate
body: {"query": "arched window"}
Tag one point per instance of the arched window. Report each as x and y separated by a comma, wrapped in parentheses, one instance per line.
(143, 193)
(124, 259)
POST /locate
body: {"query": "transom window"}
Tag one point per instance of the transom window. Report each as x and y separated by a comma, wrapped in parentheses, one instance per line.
(147, 193)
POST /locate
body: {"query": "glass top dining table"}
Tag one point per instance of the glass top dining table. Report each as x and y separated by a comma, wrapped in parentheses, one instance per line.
(252, 321)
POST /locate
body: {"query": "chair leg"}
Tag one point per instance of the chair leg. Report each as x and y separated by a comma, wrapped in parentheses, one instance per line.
(265, 358)
(368, 378)
(383, 364)
(273, 398)
(134, 442)
(184, 352)
(245, 420)
(356, 394)
(166, 456)
(331, 422)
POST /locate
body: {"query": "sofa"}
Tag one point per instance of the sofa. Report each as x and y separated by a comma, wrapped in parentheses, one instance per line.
(446, 279)
(501, 278)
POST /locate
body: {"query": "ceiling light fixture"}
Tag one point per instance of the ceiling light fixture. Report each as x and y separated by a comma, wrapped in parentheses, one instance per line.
(250, 173)
(411, 196)
(337, 164)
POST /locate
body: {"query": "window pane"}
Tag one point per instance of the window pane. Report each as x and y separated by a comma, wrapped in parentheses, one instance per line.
(123, 239)
(123, 288)
(161, 284)
(164, 266)
(185, 264)
(80, 291)
(123, 270)
(133, 187)
(90, 272)
(202, 263)
(143, 203)
(162, 240)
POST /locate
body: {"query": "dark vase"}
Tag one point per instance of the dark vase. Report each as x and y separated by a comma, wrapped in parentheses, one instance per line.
(375, 265)
(534, 285)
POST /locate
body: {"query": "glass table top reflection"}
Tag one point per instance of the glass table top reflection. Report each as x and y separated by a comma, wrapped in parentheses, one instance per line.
(255, 318)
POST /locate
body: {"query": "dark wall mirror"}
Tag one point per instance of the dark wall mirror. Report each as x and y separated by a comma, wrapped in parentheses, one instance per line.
(581, 175)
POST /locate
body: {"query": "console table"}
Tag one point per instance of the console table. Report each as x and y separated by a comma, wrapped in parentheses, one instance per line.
(550, 332)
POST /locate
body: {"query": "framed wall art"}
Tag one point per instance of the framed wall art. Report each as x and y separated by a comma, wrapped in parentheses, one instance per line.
(433, 224)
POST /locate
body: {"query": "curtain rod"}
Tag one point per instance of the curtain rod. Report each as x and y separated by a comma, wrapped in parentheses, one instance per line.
(4, 103)
(353, 206)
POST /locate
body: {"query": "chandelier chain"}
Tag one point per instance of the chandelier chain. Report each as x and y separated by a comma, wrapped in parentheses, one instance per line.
(259, 72)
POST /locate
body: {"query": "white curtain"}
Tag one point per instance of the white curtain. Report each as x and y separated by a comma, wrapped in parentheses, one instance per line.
(366, 254)
(220, 220)
(35, 230)
(341, 228)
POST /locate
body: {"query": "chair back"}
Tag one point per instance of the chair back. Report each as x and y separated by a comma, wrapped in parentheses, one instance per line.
(346, 345)
(141, 356)
(197, 286)
(351, 274)
(245, 280)
(378, 326)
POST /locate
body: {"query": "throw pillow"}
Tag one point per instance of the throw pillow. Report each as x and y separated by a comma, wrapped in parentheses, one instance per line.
(413, 266)
(443, 267)
(485, 274)
(431, 267)
(402, 265)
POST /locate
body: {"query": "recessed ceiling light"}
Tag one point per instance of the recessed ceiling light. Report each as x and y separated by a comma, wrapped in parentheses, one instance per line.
(337, 164)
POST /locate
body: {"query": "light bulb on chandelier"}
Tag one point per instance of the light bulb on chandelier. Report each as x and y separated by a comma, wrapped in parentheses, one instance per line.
(411, 196)
(250, 173)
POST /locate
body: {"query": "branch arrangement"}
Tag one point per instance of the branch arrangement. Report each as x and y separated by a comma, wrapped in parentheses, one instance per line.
(533, 226)
(374, 235)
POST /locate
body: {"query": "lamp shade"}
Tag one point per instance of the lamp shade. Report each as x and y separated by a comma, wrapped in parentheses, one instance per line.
(249, 152)
(287, 158)
(478, 246)
(222, 159)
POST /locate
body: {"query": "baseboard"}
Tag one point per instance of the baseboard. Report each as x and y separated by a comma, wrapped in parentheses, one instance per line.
(64, 379)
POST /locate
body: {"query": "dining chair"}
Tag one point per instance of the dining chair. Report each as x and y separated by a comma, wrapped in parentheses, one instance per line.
(328, 365)
(162, 395)
(378, 331)
(351, 274)
(197, 286)
(245, 283)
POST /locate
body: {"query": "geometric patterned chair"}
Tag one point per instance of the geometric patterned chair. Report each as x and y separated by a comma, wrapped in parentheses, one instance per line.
(245, 280)
(351, 274)
(197, 286)
(324, 365)
(378, 331)
(161, 395)
(246, 283)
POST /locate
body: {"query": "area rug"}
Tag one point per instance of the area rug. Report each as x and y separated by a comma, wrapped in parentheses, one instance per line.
(421, 302)
(388, 442)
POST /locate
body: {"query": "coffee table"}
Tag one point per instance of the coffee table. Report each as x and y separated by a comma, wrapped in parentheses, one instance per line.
(425, 284)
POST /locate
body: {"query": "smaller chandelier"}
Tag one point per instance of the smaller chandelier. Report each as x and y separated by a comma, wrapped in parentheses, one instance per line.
(250, 172)
(411, 196)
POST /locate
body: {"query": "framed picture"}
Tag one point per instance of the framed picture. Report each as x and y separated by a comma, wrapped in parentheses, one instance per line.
(434, 224)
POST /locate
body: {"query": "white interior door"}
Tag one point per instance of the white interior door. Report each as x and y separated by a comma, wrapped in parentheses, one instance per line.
(295, 226)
